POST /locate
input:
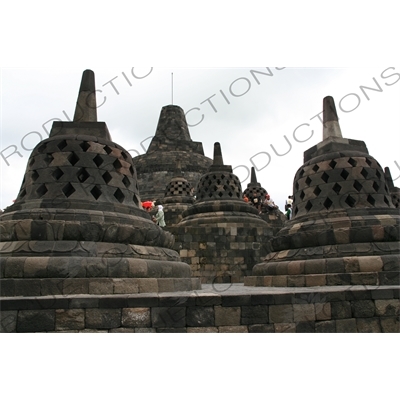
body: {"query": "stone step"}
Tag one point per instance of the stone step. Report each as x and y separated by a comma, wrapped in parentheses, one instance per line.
(335, 279)
(95, 286)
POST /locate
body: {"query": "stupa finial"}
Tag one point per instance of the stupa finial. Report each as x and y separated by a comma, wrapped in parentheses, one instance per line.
(86, 108)
(253, 175)
(218, 154)
(331, 120)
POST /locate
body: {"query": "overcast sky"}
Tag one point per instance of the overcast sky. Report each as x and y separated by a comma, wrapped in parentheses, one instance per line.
(310, 32)
(253, 112)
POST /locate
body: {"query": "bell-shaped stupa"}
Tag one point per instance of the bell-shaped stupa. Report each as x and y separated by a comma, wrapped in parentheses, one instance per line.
(219, 236)
(77, 226)
(171, 144)
(254, 188)
(178, 197)
(345, 228)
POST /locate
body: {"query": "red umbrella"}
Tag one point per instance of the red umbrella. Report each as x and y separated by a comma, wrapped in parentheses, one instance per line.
(147, 204)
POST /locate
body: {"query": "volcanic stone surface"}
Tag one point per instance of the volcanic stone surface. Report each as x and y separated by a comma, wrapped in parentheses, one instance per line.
(171, 145)
(220, 235)
(345, 228)
(77, 225)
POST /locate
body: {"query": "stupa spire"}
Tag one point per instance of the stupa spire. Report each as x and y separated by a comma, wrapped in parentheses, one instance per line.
(218, 160)
(253, 175)
(86, 108)
(331, 120)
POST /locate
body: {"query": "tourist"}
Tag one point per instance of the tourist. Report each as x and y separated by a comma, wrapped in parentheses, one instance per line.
(270, 203)
(289, 202)
(159, 217)
(246, 199)
(289, 212)
(257, 201)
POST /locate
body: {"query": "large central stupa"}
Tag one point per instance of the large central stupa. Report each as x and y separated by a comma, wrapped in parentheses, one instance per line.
(171, 145)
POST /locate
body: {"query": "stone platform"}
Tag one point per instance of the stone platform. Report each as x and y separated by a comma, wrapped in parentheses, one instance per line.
(219, 308)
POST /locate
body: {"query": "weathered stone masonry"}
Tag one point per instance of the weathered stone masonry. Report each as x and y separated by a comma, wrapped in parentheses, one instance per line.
(343, 310)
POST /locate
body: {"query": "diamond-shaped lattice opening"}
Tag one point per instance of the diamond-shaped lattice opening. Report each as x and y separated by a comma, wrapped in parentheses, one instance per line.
(375, 186)
(126, 181)
(98, 160)
(119, 196)
(315, 168)
(220, 194)
(131, 170)
(83, 175)
(108, 149)
(85, 146)
(350, 201)
(62, 145)
(301, 173)
(107, 177)
(325, 177)
(57, 174)
(352, 162)
(327, 203)
(308, 206)
(368, 161)
(41, 190)
(296, 210)
(135, 199)
(378, 174)
(68, 190)
(308, 181)
(96, 192)
(357, 185)
(117, 164)
(48, 159)
(344, 174)
(297, 186)
(386, 200)
(302, 195)
(34, 176)
(73, 158)
(22, 194)
(364, 173)
(31, 161)
(337, 188)
(371, 200)
(124, 155)
(386, 188)
(333, 164)
(317, 191)
(42, 148)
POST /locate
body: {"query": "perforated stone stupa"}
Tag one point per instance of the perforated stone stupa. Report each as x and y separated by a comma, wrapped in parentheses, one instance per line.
(345, 228)
(171, 144)
(77, 226)
(179, 196)
(220, 235)
(254, 189)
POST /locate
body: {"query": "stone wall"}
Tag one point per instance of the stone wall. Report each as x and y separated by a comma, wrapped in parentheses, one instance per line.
(344, 310)
(225, 253)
